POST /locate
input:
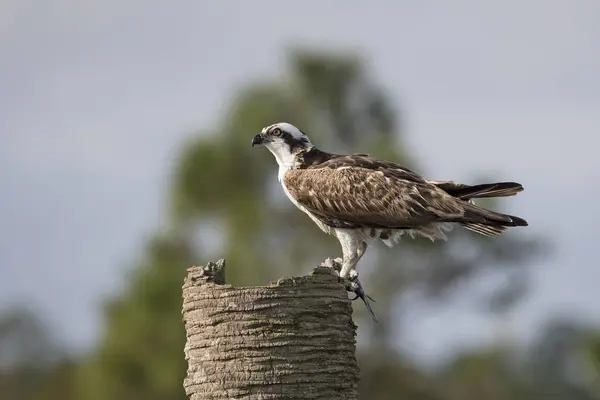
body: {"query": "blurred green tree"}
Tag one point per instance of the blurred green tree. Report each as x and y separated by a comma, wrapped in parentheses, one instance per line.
(225, 202)
(32, 365)
(486, 374)
(563, 361)
(141, 353)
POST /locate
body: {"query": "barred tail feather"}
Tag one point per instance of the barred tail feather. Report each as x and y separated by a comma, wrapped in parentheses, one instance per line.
(487, 222)
(485, 230)
(467, 192)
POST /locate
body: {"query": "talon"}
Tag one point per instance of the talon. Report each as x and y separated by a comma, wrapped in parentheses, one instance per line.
(353, 275)
(334, 264)
(356, 287)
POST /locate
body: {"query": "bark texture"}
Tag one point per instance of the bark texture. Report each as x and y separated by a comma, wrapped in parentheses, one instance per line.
(293, 339)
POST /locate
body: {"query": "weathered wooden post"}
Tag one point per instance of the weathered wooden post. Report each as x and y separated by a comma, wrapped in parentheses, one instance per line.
(293, 339)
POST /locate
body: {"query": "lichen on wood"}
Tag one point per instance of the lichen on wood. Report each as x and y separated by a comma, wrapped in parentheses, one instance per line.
(293, 339)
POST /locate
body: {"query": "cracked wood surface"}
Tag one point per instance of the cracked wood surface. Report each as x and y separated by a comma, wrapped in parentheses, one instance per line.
(293, 339)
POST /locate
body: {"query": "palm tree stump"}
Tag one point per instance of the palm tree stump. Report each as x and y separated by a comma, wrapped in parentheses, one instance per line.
(293, 339)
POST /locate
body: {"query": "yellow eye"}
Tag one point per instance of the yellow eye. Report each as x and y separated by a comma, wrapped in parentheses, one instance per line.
(276, 132)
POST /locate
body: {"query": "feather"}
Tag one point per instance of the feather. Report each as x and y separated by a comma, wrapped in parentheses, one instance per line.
(388, 200)
(350, 196)
(485, 230)
(467, 192)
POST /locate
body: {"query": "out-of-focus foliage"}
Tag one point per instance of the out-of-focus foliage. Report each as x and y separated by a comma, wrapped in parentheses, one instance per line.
(141, 354)
(562, 361)
(220, 181)
(488, 374)
(32, 366)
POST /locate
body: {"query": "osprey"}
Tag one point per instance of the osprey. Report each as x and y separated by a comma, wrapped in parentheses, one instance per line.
(360, 199)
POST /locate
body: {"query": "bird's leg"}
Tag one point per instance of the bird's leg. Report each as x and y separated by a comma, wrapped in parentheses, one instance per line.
(359, 291)
(362, 247)
(337, 264)
(360, 251)
(351, 283)
(349, 256)
(353, 249)
(353, 274)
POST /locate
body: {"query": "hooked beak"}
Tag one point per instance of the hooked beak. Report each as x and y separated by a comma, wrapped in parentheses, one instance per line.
(258, 139)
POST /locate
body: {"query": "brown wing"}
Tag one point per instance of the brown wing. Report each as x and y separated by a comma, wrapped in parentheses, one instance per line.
(349, 195)
(365, 161)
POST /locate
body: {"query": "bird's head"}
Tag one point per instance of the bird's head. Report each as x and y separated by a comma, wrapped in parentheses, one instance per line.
(284, 140)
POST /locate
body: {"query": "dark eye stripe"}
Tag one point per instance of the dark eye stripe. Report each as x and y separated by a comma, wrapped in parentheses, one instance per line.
(286, 137)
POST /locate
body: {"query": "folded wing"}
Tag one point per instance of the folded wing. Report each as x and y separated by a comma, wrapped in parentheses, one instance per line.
(350, 195)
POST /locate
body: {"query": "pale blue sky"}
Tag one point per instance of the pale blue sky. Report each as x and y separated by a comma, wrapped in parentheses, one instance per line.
(95, 95)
